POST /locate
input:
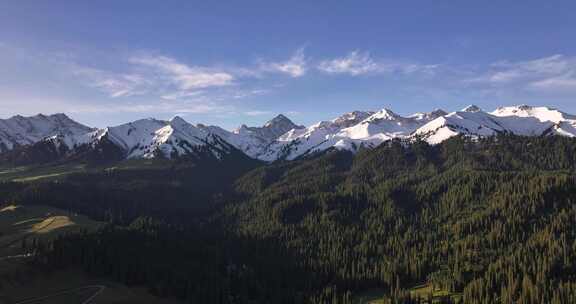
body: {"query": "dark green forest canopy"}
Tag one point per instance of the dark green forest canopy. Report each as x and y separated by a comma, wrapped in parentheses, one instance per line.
(492, 220)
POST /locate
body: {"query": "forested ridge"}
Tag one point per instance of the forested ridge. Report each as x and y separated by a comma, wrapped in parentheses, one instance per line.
(492, 220)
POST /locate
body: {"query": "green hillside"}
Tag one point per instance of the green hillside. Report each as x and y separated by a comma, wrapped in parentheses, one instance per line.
(468, 221)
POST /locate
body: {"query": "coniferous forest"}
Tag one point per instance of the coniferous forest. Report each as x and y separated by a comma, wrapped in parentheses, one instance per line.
(492, 220)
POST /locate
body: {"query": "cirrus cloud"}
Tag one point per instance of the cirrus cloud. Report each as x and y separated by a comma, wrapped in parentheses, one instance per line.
(184, 76)
(555, 73)
(355, 63)
(360, 63)
(113, 84)
(295, 66)
(560, 83)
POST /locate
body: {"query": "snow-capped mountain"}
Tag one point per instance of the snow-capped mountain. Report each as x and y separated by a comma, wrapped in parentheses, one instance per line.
(558, 122)
(150, 138)
(21, 131)
(270, 130)
(252, 140)
(520, 120)
(51, 137)
(349, 132)
(144, 138)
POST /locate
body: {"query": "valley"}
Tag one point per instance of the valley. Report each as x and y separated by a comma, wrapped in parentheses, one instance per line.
(383, 223)
(26, 224)
(371, 207)
(287, 152)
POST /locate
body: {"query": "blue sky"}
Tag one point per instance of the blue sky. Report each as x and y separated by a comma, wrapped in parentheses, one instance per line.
(227, 63)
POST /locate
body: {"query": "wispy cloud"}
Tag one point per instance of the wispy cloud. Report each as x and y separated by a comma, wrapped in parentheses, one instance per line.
(170, 80)
(182, 94)
(361, 63)
(560, 83)
(184, 76)
(148, 82)
(552, 73)
(196, 107)
(256, 113)
(243, 93)
(163, 78)
(355, 63)
(295, 66)
(114, 84)
(295, 113)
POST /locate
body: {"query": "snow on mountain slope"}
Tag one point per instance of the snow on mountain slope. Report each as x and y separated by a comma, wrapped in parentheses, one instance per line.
(428, 116)
(541, 113)
(470, 120)
(270, 130)
(519, 120)
(553, 120)
(349, 132)
(20, 131)
(150, 138)
(279, 138)
(248, 143)
(252, 140)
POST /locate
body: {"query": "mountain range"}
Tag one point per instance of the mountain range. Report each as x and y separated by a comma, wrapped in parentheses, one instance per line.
(54, 137)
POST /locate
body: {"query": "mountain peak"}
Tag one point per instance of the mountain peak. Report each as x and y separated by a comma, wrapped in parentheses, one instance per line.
(471, 108)
(422, 116)
(384, 114)
(280, 119)
(26, 130)
(270, 131)
(524, 107)
(242, 127)
(178, 121)
(541, 113)
(438, 112)
(281, 138)
(351, 118)
(60, 115)
(388, 111)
